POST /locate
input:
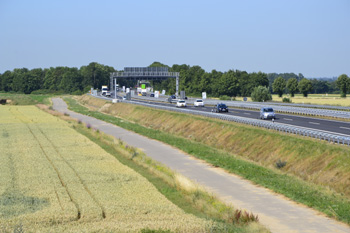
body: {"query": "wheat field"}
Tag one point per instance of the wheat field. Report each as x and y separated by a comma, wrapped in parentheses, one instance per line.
(53, 179)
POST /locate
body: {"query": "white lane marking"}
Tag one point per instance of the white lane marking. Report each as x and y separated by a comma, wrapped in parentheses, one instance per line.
(247, 113)
(344, 127)
(314, 123)
(287, 119)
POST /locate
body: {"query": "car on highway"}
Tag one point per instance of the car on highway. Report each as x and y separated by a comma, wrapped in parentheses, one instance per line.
(181, 103)
(151, 95)
(220, 108)
(124, 97)
(198, 103)
(267, 113)
(173, 96)
(108, 94)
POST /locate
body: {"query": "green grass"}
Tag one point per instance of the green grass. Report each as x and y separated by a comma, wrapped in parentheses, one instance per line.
(317, 197)
(172, 193)
(24, 99)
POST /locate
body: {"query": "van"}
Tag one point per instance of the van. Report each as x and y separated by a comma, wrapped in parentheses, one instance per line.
(267, 113)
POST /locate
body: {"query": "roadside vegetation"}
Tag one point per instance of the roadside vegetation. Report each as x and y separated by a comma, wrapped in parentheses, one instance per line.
(67, 177)
(23, 99)
(311, 172)
(56, 180)
(184, 193)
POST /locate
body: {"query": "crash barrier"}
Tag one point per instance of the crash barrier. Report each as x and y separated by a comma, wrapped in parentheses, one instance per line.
(332, 138)
(306, 110)
(287, 109)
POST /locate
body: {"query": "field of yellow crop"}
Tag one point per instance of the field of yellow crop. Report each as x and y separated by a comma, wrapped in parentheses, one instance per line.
(53, 179)
(321, 99)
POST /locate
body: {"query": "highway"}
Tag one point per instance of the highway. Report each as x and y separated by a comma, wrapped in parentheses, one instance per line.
(340, 128)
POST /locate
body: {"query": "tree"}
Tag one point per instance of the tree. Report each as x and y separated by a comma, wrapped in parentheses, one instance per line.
(279, 85)
(229, 84)
(292, 85)
(244, 82)
(343, 83)
(53, 77)
(305, 86)
(261, 94)
(319, 86)
(158, 64)
(95, 75)
(71, 81)
(6, 81)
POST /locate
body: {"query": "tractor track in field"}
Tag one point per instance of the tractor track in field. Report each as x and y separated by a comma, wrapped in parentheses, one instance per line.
(103, 212)
(64, 185)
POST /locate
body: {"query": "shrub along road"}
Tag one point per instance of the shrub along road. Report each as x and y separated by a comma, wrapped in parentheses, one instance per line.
(274, 211)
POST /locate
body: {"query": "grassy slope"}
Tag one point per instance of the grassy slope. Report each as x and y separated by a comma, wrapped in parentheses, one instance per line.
(210, 207)
(23, 99)
(305, 192)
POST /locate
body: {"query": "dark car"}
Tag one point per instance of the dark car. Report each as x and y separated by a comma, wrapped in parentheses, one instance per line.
(151, 95)
(220, 108)
(173, 97)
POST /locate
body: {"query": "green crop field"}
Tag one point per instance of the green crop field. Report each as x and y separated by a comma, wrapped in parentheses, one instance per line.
(53, 179)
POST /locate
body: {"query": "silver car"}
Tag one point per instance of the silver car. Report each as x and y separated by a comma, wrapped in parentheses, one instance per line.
(267, 113)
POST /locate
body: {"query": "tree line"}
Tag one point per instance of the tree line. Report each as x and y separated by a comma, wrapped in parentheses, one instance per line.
(232, 83)
(56, 79)
(193, 80)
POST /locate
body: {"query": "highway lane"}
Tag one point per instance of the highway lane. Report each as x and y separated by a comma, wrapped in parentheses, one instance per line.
(339, 127)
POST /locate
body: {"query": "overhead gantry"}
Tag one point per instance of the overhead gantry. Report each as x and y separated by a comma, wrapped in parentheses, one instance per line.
(144, 73)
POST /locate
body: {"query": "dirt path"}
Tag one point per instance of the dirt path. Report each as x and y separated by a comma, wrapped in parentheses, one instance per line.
(275, 211)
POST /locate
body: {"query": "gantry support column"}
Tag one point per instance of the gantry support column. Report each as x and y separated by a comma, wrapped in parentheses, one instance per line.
(177, 85)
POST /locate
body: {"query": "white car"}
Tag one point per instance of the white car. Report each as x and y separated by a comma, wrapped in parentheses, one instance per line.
(198, 103)
(181, 103)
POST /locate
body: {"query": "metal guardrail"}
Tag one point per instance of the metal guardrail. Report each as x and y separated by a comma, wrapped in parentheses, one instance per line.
(281, 108)
(290, 110)
(332, 138)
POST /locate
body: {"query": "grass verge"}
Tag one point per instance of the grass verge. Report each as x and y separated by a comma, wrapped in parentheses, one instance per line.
(315, 196)
(185, 194)
(23, 99)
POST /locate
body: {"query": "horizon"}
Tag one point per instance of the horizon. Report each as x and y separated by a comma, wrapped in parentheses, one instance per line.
(168, 66)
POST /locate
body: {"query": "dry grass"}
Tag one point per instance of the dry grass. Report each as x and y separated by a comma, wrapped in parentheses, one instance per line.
(321, 99)
(315, 161)
(56, 180)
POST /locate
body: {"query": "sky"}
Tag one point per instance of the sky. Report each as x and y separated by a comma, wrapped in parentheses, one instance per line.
(311, 37)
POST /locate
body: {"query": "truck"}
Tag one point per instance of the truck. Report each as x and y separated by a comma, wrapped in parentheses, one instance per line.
(104, 90)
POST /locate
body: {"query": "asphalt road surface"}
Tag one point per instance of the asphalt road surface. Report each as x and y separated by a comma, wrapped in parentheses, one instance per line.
(338, 127)
(275, 211)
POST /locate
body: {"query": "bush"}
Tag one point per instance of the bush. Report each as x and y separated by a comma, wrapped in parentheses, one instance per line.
(280, 164)
(87, 89)
(225, 97)
(41, 92)
(47, 91)
(286, 100)
(261, 94)
(77, 92)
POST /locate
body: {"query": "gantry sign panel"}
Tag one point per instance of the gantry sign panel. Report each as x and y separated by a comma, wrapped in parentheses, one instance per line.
(145, 73)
